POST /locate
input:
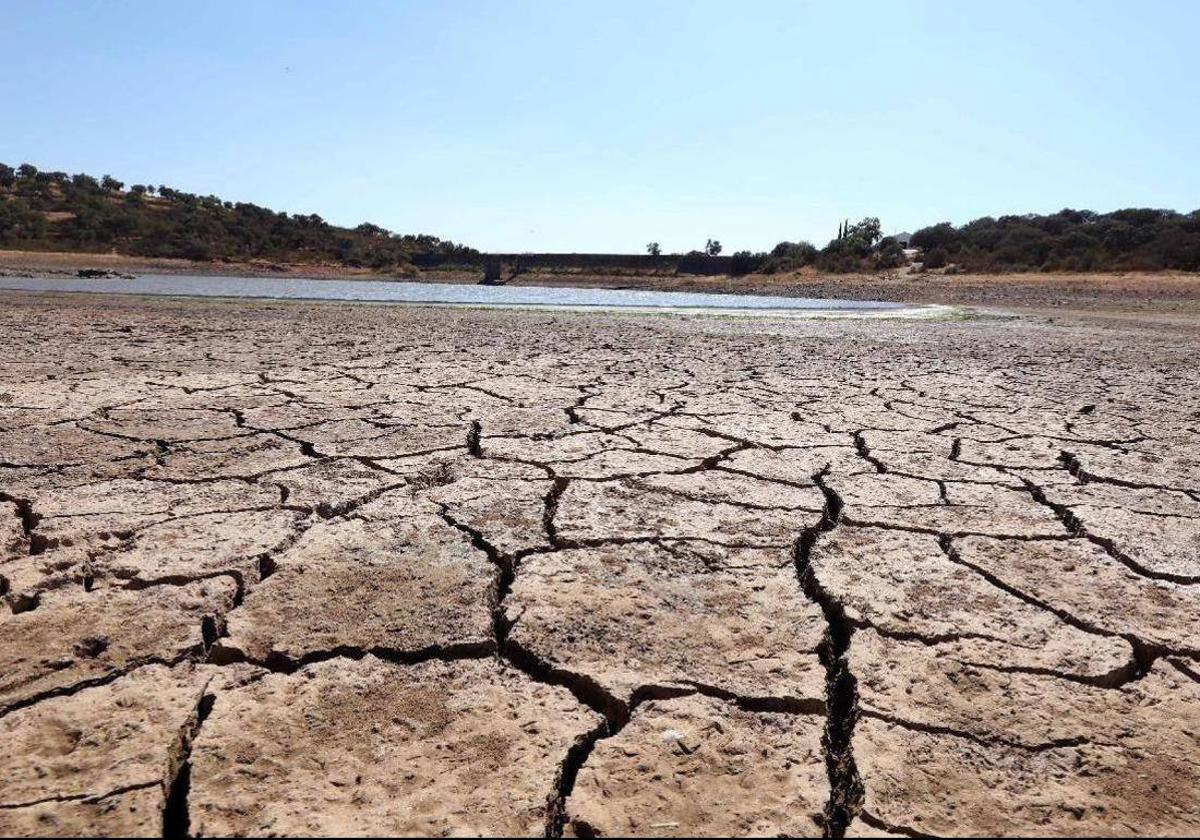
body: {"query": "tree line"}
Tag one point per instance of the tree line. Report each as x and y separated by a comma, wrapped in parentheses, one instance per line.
(56, 211)
(858, 246)
(1136, 239)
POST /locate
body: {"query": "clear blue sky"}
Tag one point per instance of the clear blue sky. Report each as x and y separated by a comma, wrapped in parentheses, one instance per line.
(601, 126)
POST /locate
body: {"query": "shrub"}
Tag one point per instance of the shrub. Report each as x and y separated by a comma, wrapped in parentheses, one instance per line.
(744, 262)
(888, 254)
(935, 258)
(788, 256)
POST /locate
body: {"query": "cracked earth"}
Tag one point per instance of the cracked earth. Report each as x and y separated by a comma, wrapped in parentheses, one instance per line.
(330, 569)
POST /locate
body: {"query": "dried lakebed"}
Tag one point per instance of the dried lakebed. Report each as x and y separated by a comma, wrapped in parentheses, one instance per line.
(318, 569)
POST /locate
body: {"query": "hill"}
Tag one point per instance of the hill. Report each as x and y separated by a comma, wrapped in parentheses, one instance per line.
(1136, 239)
(54, 211)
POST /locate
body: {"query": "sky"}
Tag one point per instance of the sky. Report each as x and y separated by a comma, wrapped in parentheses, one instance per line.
(600, 127)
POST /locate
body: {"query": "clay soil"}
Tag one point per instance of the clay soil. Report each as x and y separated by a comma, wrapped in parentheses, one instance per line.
(325, 569)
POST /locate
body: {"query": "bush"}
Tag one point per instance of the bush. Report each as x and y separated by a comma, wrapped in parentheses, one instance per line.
(936, 258)
(854, 249)
(788, 256)
(839, 262)
(744, 262)
(888, 254)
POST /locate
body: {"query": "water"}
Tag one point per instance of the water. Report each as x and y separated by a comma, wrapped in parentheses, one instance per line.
(446, 294)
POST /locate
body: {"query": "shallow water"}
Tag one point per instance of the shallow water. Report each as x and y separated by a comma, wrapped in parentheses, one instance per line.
(436, 293)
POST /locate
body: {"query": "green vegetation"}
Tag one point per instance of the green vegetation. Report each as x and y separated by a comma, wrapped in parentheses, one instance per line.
(857, 247)
(1070, 240)
(60, 212)
(789, 256)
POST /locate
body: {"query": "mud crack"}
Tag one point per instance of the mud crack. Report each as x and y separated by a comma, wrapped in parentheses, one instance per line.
(841, 687)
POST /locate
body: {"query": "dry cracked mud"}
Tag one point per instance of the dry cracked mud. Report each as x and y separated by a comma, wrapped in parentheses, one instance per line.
(328, 569)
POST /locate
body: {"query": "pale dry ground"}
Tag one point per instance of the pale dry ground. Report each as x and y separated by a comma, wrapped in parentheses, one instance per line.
(321, 569)
(57, 263)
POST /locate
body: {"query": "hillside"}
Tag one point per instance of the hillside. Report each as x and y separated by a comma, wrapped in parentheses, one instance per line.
(54, 211)
(1135, 239)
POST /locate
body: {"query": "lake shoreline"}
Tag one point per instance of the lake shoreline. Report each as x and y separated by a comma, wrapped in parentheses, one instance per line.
(1154, 294)
(547, 299)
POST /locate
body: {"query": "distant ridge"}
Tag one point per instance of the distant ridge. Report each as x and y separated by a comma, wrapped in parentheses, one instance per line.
(54, 211)
(1136, 239)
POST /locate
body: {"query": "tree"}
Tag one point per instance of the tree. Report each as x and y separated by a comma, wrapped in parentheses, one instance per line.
(653, 249)
(803, 251)
(368, 229)
(888, 254)
(86, 183)
(935, 258)
(789, 256)
(853, 247)
(867, 232)
(743, 262)
(111, 184)
(27, 171)
(937, 236)
(712, 247)
(8, 176)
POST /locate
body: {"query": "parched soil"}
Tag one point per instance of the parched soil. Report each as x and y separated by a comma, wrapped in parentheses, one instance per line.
(58, 263)
(346, 569)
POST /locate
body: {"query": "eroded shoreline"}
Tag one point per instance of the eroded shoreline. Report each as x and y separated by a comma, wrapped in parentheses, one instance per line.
(295, 568)
(1138, 294)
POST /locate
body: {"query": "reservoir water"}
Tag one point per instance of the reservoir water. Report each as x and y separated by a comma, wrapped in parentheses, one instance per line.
(442, 294)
